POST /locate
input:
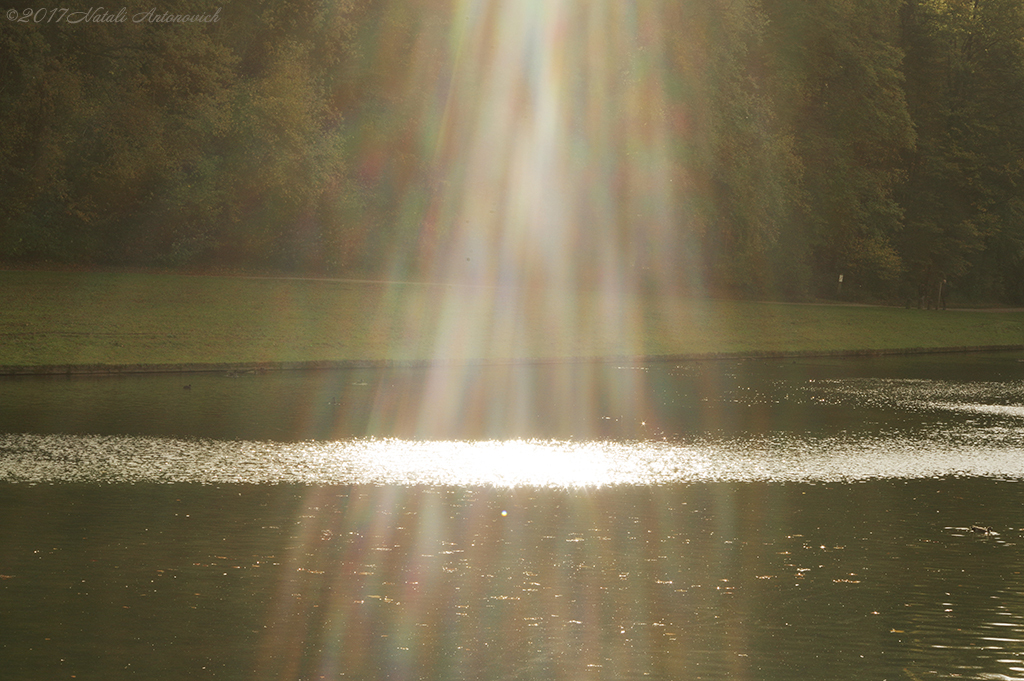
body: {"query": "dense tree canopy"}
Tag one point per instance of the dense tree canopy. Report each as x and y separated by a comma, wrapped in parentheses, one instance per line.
(880, 140)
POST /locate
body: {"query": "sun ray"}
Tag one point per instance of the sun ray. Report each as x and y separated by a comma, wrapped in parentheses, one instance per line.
(553, 212)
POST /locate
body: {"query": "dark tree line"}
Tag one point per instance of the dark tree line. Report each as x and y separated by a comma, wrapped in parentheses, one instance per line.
(880, 140)
(176, 145)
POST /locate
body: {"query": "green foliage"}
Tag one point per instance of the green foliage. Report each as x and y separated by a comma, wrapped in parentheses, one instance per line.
(965, 67)
(186, 145)
(740, 156)
(879, 140)
(839, 83)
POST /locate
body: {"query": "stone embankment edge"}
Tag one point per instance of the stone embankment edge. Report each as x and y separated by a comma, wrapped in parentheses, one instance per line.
(241, 368)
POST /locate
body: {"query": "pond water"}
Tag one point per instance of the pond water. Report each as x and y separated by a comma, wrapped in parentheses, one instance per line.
(706, 520)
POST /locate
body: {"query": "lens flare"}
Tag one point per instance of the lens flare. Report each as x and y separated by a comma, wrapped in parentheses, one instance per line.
(552, 215)
(552, 202)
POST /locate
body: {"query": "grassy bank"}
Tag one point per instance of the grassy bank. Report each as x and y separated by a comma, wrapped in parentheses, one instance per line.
(106, 319)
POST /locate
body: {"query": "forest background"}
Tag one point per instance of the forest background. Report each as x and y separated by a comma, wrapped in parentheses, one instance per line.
(754, 148)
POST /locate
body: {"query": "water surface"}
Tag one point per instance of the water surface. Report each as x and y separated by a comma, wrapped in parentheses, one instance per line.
(740, 520)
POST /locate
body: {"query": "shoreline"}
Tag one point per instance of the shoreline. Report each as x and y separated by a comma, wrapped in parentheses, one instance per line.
(243, 368)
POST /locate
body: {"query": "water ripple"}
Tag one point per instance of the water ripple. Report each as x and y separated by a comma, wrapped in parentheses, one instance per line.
(992, 452)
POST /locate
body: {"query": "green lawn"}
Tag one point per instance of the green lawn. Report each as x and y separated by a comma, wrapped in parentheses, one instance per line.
(61, 319)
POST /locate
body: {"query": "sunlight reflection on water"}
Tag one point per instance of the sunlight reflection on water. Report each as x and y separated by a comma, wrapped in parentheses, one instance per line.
(643, 536)
(779, 425)
(985, 452)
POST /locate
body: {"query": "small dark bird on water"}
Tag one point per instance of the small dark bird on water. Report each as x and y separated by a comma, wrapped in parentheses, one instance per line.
(981, 529)
(187, 387)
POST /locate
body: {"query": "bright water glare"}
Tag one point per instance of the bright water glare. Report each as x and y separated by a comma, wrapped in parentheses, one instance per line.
(730, 422)
(817, 519)
(990, 452)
